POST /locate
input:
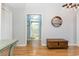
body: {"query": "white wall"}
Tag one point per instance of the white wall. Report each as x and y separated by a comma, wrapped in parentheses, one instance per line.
(48, 11)
(6, 22)
(19, 25)
(78, 27)
(0, 21)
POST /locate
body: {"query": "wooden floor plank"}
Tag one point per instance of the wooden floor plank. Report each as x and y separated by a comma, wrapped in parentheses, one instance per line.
(44, 51)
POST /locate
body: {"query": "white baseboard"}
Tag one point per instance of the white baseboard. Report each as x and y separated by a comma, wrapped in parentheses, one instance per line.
(78, 45)
(46, 45)
(43, 44)
(72, 44)
(21, 45)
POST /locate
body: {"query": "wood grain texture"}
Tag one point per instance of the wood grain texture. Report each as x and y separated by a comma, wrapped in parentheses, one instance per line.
(57, 43)
(39, 50)
(44, 51)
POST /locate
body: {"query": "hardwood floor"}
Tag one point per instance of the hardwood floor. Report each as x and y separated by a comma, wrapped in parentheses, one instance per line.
(39, 50)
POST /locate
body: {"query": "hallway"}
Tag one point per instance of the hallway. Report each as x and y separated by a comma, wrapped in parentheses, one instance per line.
(32, 24)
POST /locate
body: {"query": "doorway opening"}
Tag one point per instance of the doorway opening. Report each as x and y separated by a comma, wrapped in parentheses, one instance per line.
(33, 29)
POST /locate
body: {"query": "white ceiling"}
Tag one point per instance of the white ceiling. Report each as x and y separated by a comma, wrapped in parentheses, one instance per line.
(20, 5)
(16, 5)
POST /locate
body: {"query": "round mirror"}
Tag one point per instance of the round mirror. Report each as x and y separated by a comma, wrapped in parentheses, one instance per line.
(56, 21)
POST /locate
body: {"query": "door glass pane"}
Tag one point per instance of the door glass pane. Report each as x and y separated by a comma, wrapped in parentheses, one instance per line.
(35, 30)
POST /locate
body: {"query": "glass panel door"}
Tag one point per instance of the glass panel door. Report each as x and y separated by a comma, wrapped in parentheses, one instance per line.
(34, 26)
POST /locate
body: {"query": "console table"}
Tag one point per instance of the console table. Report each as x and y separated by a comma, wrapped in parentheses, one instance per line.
(57, 43)
(7, 45)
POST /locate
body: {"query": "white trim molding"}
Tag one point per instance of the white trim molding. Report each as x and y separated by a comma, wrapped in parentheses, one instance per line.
(21, 45)
(72, 44)
(43, 44)
(78, 45)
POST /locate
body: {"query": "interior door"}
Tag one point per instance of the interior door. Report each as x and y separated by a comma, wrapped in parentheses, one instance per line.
(34, 26)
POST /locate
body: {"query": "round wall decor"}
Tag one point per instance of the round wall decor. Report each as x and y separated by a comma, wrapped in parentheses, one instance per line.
(56, 21)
